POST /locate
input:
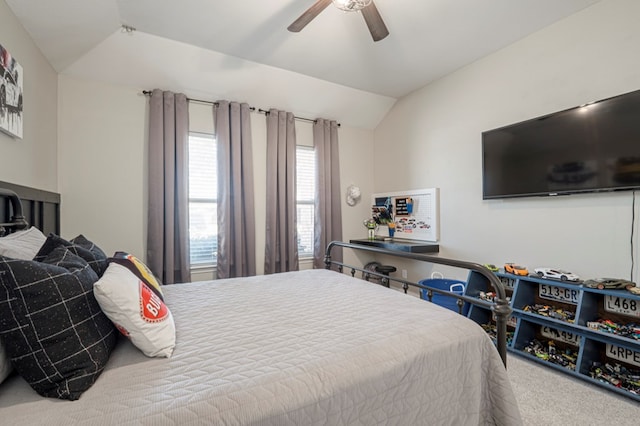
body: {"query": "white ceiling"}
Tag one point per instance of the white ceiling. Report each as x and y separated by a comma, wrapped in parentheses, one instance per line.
(428, 38)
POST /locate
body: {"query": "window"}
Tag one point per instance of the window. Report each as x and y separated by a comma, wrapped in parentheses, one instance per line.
(305, 198)
(203, 203)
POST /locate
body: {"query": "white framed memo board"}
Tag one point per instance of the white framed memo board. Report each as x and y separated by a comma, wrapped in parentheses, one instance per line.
(416, 213)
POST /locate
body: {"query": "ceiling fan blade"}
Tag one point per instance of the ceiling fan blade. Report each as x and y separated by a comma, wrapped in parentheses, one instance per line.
(308, 15)
(374, 21)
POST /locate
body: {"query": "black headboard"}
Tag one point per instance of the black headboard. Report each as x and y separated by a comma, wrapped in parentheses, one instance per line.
(39, 208)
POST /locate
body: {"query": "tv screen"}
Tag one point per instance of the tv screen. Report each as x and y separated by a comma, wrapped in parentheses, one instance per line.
(590, 148)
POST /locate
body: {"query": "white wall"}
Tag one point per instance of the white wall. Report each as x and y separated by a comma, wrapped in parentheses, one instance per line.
(433, 137)
(30, 161)
(145, 61)
(103, 167)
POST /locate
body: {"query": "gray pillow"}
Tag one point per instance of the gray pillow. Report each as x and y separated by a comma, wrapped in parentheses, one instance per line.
(5, 363)
(22, 244)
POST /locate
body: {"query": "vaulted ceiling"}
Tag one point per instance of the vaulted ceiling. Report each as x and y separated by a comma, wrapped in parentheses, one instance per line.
(428, 38)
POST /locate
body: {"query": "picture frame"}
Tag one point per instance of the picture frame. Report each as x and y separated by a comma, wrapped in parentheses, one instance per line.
(11, 94)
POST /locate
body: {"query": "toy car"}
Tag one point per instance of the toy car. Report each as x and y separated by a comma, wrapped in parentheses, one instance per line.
(609, 283)
(634, 290)
(491, 267)
(512, 268)
(556, 274)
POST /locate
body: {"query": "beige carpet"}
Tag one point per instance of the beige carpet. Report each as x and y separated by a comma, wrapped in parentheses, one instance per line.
(549, 397)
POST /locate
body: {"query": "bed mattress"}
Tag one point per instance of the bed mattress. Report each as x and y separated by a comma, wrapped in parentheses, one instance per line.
(301, 348)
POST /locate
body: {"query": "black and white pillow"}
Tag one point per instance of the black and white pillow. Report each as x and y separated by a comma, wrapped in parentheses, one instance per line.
(19, 245)
(80, 246)
(82, 241)
(51, 324)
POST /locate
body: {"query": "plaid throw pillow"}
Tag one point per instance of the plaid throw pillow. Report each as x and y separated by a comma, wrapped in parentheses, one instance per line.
(79, 246)
(54, 331)
(82, 241)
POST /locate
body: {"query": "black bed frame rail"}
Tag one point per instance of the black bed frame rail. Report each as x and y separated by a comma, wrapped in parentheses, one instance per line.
(13, 212)
(22, 205)
(500, 306)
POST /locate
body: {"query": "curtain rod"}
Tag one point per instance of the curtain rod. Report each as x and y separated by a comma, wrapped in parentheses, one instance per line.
(260, 110)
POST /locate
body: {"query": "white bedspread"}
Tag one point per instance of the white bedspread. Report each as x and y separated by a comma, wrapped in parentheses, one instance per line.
(305, 348)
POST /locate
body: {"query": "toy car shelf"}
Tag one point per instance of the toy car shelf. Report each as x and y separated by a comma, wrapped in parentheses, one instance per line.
(588, 333)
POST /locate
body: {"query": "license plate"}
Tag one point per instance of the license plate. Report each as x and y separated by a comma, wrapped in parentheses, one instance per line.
(623, 354)
(621, 305)
(561, 335)
(507, 282)
(567, 295)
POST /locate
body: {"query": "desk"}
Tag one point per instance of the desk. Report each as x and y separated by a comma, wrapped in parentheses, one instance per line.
(398, 244)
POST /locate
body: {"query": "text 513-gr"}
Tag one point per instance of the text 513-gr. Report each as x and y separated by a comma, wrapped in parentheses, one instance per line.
(568, 295)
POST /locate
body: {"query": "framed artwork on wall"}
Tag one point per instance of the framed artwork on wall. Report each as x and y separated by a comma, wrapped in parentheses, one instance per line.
(11, 80)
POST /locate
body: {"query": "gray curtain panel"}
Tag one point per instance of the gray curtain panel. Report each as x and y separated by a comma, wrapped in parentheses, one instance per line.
(168, 216)
(236, 210)
(281, 244)
(328, 212)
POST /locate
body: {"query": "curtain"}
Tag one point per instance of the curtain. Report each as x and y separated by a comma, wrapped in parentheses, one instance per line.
(328, 213)
(281, 244)
(236, 211)
(168, 215)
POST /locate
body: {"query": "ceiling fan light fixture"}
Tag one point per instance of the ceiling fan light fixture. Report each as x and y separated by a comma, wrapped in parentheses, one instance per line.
(367, 8)
(351, 5)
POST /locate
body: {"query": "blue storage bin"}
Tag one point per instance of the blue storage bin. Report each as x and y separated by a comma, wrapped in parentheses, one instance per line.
(449, 302)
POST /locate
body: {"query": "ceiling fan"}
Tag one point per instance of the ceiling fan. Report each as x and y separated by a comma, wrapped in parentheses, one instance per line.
(369, 11)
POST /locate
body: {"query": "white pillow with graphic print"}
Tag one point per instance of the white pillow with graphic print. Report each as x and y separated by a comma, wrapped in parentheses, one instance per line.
(136, 311)
(23, 245)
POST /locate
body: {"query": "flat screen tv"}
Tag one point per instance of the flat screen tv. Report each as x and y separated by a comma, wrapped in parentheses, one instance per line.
(590, 148)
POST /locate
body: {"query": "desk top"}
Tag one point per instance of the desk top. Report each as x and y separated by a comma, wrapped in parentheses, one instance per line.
(398, 244)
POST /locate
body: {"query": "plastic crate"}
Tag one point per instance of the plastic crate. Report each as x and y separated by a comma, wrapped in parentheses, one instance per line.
(449, 302)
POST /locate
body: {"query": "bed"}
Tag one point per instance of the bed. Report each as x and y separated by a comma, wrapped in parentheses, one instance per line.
(299, 348)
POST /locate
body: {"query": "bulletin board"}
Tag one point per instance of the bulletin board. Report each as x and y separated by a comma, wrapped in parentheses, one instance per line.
(415, 213)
